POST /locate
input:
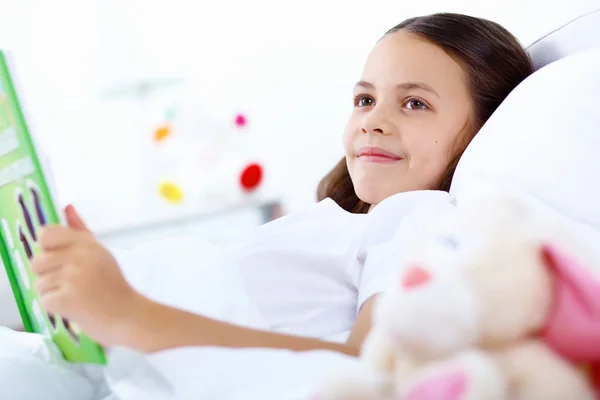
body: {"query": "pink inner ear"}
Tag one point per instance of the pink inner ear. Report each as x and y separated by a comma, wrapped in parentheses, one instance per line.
(414, 277)
(573, 324)
(450, 386)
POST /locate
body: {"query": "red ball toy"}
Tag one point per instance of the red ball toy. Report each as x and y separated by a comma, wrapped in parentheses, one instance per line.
(251, 177)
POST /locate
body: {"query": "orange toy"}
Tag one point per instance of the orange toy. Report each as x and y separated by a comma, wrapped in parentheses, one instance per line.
(162, 132)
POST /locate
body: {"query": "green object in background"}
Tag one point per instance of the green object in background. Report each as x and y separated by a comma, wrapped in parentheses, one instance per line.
(26, 203)
(170, 114)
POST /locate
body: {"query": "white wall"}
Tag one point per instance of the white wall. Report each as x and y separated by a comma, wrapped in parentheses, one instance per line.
(289, 64)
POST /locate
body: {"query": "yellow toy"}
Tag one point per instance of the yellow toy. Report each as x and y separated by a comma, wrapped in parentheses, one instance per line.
(201, 163)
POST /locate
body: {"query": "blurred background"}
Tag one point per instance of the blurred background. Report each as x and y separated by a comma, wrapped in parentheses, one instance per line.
(204, 117)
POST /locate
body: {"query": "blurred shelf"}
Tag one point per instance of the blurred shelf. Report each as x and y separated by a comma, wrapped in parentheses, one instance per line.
(172, 216)
(140, 88)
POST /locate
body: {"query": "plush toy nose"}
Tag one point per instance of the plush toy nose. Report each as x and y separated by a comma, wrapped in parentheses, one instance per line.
(414, 277)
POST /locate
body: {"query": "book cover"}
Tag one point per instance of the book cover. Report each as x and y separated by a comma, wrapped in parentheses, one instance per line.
(26, 204)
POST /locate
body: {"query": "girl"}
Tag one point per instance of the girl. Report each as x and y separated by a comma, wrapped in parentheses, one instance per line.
(427, 87)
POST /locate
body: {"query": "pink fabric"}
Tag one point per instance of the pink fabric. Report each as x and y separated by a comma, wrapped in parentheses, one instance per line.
(573, 326)
(451, 386)
(595, 376)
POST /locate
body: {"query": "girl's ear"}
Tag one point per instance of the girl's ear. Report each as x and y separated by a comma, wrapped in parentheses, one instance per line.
(573, 324)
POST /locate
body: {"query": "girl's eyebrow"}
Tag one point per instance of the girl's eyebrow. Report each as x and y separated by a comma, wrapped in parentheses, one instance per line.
(417, 85)
(405, 86)
(364, 84)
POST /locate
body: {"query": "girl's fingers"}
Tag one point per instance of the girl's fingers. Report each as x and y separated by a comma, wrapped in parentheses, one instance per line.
(53, 299)
(74, 220)
(48, 284)
(53, 237)
(48, 262)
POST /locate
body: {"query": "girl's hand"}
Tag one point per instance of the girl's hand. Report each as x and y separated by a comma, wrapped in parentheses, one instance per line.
(79, 279)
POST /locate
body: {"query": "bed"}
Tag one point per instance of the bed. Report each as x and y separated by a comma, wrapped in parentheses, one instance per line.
(30, 370)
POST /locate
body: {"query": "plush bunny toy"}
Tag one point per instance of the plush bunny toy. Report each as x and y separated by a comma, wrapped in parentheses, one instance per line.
(492, 306)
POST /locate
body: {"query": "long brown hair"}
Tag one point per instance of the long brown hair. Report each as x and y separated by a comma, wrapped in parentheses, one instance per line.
(495, 63)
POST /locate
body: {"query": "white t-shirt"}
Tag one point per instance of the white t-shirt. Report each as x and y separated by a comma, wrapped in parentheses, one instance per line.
(307, 273)
(310, 272)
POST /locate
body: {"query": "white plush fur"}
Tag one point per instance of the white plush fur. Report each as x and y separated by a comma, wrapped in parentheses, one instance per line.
(489, 294)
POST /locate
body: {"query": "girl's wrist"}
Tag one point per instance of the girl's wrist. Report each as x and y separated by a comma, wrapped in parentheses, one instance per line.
(136, 322)
(153, 326)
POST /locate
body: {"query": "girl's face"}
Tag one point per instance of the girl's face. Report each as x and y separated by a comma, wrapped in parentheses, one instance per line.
(411, 107)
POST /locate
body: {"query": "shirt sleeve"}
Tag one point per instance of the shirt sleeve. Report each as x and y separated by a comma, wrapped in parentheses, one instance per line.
(392, 232)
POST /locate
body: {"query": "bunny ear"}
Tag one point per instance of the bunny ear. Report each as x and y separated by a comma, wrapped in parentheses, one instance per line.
(573, 324)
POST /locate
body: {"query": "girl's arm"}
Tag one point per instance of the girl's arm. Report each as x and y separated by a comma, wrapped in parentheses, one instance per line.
(79, 279)
(157, 327)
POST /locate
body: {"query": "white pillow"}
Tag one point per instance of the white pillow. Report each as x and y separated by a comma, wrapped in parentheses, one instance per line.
(543, 143)
(577, 35)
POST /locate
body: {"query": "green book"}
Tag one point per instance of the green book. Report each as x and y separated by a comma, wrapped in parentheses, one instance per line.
(26, 203)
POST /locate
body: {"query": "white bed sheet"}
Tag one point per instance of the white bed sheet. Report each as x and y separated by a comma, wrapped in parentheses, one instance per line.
(32, 368)
(228, 374)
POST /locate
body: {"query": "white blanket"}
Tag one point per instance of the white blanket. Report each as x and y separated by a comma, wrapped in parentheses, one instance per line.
(31, 367)
(213, 373)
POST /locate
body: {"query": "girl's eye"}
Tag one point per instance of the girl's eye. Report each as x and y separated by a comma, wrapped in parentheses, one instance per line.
(415, 104)
(363, 101)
